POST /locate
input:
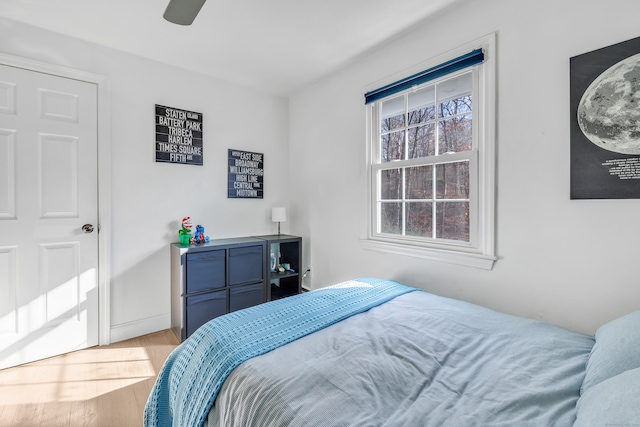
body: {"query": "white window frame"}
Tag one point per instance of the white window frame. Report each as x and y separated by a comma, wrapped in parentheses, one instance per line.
(479, 252)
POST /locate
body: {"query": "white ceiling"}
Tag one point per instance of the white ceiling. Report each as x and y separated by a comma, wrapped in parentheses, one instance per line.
(278, 46)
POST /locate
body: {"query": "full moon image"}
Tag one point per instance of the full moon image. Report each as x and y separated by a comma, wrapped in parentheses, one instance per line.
(609, 111)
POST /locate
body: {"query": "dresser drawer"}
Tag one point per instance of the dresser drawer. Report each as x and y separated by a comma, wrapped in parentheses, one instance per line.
(246, 296)
(246, 264)
(204, 307)
(205, 271)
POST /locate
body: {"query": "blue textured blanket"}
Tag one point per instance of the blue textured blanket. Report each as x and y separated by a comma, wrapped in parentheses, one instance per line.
(194, 372)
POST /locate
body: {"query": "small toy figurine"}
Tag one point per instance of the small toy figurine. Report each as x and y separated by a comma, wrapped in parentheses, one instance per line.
(199, 236)
(185, 231)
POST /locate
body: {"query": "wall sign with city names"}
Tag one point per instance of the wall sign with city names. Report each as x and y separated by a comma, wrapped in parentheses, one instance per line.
(246, 175)
(178, 136)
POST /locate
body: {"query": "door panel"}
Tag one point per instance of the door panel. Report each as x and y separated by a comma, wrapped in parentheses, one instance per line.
(60, 286)
(48, 190)
(7, 174)
(58, 161)
(8, 290)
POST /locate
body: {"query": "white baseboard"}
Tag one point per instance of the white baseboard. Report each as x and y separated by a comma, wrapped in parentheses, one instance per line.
(137, 328)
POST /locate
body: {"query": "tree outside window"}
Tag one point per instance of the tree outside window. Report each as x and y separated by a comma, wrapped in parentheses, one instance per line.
(423, 191)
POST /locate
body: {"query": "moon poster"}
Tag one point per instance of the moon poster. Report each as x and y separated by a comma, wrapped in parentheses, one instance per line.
(605, 122)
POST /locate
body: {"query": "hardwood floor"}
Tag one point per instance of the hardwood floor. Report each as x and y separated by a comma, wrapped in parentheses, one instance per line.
(100, 386)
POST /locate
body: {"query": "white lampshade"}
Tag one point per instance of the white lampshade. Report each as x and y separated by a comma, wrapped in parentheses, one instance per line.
(278, 214)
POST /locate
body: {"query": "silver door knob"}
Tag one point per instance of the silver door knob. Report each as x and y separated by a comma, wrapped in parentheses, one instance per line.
(87, 228)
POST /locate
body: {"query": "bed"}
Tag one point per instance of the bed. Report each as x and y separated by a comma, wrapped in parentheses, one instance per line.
(373, 352)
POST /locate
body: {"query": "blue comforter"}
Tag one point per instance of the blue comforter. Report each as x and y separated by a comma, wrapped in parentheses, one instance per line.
(419, 360)
(194, 373)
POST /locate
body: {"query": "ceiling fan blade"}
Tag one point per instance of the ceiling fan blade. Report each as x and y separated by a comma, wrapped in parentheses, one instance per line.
(182, 12)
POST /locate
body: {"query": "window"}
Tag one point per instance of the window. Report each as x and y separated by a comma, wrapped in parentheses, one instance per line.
(431, 162)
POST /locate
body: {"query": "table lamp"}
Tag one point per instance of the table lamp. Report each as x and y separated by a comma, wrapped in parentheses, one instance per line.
(278, 215)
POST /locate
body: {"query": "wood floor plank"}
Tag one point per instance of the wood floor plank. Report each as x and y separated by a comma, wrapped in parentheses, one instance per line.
(99, 386)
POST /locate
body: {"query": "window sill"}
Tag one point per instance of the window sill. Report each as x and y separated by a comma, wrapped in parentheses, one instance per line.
(484, 262)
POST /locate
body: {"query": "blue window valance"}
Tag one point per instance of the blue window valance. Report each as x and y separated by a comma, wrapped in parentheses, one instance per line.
(468, 60)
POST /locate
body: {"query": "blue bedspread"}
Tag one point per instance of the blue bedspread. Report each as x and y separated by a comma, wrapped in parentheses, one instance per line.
(194, 372)
(419, 360)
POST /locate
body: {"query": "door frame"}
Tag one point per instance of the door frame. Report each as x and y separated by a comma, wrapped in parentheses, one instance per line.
(104, 177)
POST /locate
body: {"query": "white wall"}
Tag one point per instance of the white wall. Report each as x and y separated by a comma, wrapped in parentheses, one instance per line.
(572, 263)
(149, 199)
(569, 262)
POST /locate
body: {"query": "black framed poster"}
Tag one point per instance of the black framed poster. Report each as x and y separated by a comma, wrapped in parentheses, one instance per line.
(605, 122)
(246, 175)
(178, 136)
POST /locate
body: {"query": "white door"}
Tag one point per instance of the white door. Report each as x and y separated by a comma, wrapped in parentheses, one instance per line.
(48, 192)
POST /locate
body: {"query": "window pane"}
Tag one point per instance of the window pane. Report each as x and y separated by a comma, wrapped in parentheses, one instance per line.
(391, 184)
(392, 114)
(454, 107)
(422, 115)
(392, 123)
(454, 96)
(419, 182)
(391, 218)
(422, 105)
(452, 180)
(422, 141)
(455, 134)
(419, 219)
(452, 219)
(392, 146)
